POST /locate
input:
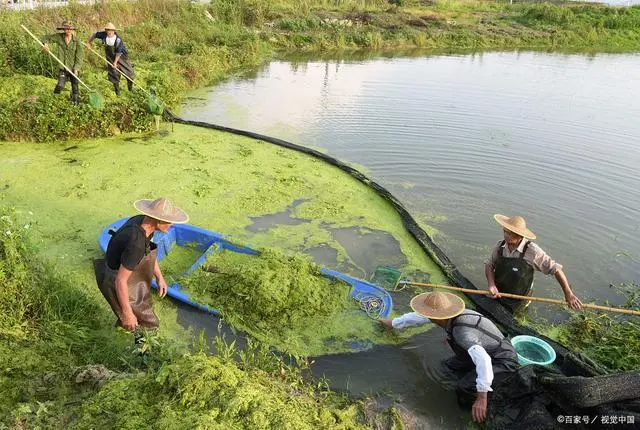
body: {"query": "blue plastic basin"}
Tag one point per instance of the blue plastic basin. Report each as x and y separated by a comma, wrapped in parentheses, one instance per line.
(532, 350)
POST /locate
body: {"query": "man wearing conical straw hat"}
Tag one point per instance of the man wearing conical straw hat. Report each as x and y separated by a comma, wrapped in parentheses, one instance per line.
(124, 275)
(116, 53)
(71, 53)
(483, 355)
(513, 261)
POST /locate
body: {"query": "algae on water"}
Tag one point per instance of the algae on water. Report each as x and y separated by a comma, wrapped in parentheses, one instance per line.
(283, 300)
(177, 262)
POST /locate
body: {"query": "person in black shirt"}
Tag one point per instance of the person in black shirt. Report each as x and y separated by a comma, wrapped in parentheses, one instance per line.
(124, 276)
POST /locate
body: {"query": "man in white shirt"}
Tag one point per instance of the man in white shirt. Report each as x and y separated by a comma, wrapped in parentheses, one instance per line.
(483, 354)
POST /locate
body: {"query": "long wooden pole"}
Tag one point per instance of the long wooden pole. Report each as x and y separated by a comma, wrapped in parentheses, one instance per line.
(56, 58)
(123, 74)
(516, 296)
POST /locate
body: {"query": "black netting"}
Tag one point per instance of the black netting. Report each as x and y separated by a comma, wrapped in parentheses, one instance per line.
(579, 373)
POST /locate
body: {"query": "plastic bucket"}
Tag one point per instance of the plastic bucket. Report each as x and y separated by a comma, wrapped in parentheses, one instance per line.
(532, 350)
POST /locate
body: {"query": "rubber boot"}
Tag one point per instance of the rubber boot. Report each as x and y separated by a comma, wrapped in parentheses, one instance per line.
(75, 98)
(129, 85)
(57, 90)
(116, 88)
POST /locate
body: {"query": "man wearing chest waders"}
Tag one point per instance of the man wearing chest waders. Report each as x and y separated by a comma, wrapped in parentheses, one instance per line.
(124, 276)
(483, 355)
(116, 54)
(513, 262)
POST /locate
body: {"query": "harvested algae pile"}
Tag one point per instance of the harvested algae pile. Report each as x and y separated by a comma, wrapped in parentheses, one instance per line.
(62, 365)
(282, 300)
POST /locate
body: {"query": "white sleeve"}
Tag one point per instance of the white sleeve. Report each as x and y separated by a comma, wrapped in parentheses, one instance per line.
(484, 369)
(408, 320)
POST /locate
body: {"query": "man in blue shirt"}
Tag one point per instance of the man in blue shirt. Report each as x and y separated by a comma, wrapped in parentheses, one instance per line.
(117, 54)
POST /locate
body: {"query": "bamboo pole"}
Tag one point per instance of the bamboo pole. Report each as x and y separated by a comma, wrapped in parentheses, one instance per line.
(516, 296)
(123, 74)
(56, 58)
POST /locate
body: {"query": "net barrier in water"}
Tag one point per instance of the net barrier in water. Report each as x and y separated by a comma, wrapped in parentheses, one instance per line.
(578, 372)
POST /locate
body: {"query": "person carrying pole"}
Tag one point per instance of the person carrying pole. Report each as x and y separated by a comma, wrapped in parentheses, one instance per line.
(117, 56)
(71, 53)
(513, 261)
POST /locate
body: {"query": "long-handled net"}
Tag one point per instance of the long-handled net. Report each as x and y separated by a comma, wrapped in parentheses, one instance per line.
(95, 99)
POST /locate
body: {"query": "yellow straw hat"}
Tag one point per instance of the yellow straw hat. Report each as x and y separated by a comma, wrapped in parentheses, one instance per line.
(162, 209)
(437, 305)
(110, 26)
(515, 224)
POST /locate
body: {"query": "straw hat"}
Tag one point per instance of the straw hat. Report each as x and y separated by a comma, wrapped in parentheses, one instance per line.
(515, 224)
(163, 210)
(437, 305)
(66, 24)
(110, 26)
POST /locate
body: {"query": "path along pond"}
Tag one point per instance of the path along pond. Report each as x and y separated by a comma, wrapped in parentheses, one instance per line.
(457, 138)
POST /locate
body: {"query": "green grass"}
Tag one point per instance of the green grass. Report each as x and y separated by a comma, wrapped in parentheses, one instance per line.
(56, 339)
(177, 46)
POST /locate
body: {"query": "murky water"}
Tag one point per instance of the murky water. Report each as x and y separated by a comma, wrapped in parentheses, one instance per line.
(458, 138)
(410, 375)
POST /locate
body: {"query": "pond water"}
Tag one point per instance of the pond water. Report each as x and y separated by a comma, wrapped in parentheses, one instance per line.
(457, 138)
(553, 137)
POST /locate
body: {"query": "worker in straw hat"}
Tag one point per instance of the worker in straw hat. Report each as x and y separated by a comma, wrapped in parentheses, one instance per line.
(514, 260)
(483, 355)
(116, 53)
(71, 53)
(124, 275)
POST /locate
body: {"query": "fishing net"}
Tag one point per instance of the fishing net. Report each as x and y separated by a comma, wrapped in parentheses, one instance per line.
(155, 107)
(531, 403)
(96, 100)
(372, 305)
(387, 278)
(536, 397)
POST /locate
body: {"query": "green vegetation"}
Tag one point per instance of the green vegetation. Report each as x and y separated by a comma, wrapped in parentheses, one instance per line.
(177, 45)
(613, 341)
(284, 301)
(177, 262)
(63, 365)
(221, 180)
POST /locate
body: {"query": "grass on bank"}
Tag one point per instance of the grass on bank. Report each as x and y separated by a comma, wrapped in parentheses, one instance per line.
(178, 45)
(62, 365)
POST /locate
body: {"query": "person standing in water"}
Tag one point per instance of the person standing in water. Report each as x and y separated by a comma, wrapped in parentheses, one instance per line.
(116, 52)
(513, 261)
(483, 356)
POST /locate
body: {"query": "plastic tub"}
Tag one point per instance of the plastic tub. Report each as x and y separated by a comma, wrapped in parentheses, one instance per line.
(532, 350)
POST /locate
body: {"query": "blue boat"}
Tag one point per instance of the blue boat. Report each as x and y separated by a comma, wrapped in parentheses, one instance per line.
(208, 242)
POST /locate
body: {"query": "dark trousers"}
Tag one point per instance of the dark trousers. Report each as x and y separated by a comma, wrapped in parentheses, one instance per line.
(63, 76)
(465, 372)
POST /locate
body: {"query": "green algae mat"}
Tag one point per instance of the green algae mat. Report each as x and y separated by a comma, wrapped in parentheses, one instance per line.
(67, 193)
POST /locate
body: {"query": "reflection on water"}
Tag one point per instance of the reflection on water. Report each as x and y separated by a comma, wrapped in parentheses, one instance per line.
(460, 137)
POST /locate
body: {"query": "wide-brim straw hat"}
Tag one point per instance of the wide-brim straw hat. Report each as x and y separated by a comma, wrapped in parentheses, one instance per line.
(437, 305)
(162, 209)
(66, 24)
(515, 224)
(110, 26)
